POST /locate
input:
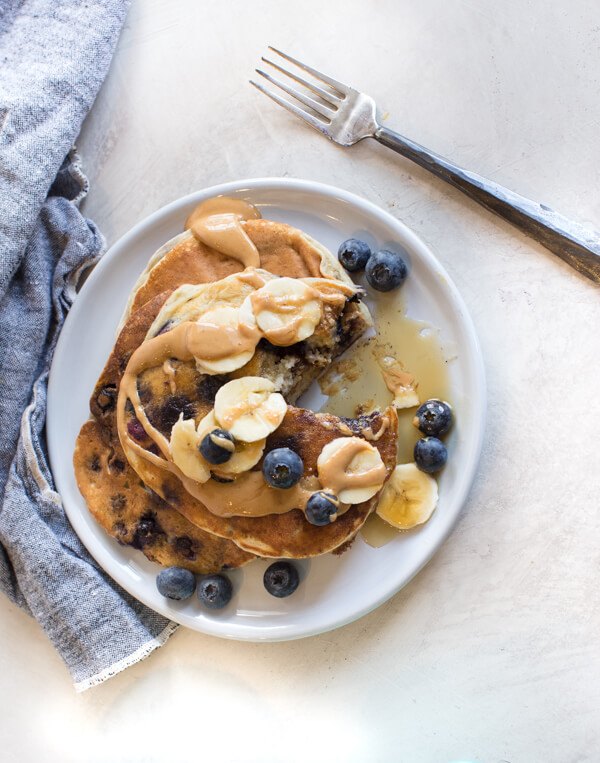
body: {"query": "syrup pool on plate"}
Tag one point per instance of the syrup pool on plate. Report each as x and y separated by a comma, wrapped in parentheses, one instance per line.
(355, 384)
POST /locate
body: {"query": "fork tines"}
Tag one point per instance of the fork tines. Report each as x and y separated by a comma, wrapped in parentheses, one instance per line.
(320, 104)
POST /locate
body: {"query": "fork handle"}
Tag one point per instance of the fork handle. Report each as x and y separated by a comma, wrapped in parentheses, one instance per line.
(573, 243)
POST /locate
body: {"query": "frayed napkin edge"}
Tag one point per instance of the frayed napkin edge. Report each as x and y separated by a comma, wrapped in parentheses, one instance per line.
(126, 662)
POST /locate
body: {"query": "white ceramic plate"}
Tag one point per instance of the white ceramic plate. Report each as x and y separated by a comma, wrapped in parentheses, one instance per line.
(334, 590)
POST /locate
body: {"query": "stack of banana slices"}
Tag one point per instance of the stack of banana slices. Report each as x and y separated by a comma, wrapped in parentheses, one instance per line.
(263, 411)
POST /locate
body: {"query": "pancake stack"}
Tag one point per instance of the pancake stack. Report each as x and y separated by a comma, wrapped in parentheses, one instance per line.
(205, 334)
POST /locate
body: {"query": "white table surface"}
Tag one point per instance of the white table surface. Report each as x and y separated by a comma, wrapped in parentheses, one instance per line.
(491, 652)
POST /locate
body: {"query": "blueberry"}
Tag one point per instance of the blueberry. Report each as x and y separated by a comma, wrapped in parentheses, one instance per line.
(136, 430)
(281, 579)
(215, 591)
(430, 454)
(386, 270)
(217, 446)
(353, 254)
(282, 467)
(176, 583)
(165, 415)
(164, 328)
(434, 417)
(321, 508)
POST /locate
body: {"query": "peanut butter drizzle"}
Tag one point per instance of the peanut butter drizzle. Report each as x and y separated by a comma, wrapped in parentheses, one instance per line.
(254, 278)
(248, 496)
(368, 434)
(333, 292)
(397, 380)
(236, 412)
(333, 473)
(282, 303)
(217, 223)
(169, 372)
(213, 341)
(287, 334)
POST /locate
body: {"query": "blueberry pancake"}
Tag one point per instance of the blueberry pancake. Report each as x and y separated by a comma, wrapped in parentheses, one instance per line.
(140, 518)
(183, 393)
(285, 534)
(225, 329)
(282, 250)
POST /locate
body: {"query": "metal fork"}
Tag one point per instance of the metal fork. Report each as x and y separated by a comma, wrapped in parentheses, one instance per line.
(346, 116)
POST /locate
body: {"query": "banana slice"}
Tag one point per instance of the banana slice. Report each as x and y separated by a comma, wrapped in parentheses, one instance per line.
(399, 382)
(249, 408)
(189, 301)
(405, 391)
(184, 449)
(224, 316)
(286, 310)
(335, 470)
(245, 455)
(409, 498)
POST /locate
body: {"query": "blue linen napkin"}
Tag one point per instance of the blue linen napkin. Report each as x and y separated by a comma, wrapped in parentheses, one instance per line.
(53, 60)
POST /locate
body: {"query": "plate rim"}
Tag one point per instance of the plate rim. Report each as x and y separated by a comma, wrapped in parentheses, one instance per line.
(215, 627)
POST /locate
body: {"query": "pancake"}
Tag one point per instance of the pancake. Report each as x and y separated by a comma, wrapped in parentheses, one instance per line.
(283, 250)
(158, 514)
(275, 535)
(288, 534)
(115, 495)
(140, 518)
